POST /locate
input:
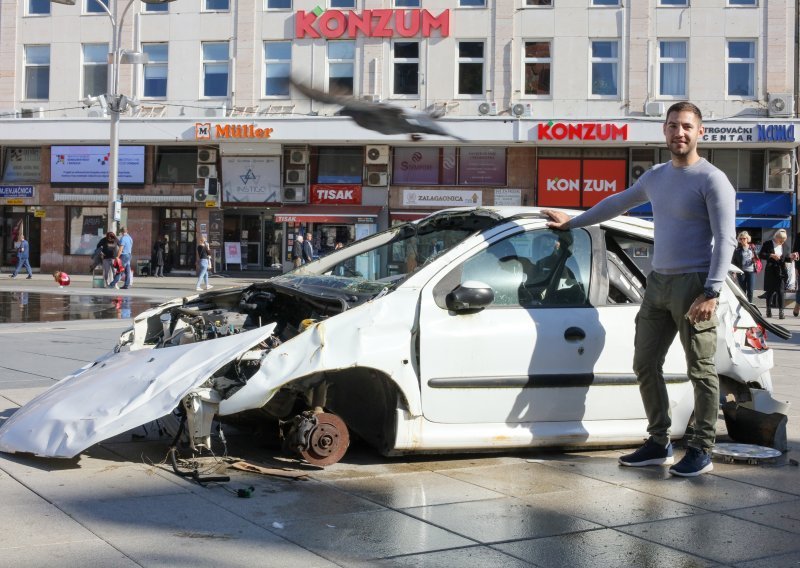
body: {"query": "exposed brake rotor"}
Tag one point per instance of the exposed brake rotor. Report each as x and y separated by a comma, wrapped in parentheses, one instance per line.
(328, 440)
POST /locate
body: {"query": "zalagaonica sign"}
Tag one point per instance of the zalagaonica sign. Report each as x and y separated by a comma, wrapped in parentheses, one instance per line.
(333, 24)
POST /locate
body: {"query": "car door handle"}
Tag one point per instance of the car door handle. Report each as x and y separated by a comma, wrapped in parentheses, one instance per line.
(574, 334)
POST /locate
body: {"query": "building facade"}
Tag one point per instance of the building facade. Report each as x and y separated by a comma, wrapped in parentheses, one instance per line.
(549, 102)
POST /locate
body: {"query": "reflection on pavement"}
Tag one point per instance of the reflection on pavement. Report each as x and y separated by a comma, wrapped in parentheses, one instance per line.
(18, 307)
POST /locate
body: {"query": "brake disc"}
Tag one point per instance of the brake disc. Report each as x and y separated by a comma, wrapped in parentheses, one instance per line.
(328, 440)
(749, 453)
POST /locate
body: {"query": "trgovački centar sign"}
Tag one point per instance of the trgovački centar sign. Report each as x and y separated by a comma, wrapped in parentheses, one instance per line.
(333, 24)
(581, 131)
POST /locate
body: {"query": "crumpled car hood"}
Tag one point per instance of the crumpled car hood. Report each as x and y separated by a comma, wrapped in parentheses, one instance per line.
(117, 393)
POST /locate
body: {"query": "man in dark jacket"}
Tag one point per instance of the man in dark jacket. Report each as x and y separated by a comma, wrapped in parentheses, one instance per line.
(297, 251)
(308, 248)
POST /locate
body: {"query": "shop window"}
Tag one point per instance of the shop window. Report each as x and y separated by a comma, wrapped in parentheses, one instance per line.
(741, 57)
(343, 3)
(605, 2)
(95, 69)
(744, 168)
(780, 170)
(22, 165)
(537, 67)
(406, 68)
(179, 226)
(38, 7)
(470, 67)
(673, 2)
(742, 3)
(37, 72)
(340, 164)
(406, 3)
(605, 68)
(538, 2)
(155, 70)
(215, 69)
(176, 165)
(85, 227)
(472, 3)
(341, 66)
(672, 68)
(277, 68)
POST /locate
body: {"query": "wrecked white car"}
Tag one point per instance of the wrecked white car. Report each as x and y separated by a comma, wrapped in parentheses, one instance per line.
(473, 329)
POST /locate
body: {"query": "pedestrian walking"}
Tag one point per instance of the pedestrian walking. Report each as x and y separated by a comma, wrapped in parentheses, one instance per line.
(125, 255)
(108, 247)
(745, 258)
(297, 251)
(778, 259)
(203, 256)
(693, 202)
(160, 248)
(22, 249)
(308, 248)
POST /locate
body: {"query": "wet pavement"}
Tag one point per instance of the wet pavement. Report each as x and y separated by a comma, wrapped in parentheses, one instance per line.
(22, 306)
(119, 504)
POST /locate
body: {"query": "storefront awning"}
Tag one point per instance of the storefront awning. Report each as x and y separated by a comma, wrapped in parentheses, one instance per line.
(327, 214)
(764, 222)
(409, 215)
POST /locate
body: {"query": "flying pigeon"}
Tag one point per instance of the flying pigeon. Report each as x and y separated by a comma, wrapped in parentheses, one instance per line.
(380, 117)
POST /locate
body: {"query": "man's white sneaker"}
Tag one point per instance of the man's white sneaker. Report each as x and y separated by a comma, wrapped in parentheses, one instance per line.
(198, 288)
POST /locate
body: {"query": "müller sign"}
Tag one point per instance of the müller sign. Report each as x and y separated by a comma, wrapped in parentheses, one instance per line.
(333, 24)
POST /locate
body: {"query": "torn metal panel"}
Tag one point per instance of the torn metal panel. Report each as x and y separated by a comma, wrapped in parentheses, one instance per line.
(116, 394)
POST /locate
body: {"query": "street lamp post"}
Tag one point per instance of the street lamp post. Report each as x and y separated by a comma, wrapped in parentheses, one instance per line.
(116, 103)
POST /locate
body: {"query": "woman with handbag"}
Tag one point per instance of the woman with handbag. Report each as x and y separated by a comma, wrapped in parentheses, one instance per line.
(746, 259)
(796, 254)
(776, 254)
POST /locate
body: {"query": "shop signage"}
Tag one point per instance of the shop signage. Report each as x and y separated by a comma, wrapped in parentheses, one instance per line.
(333, 24)
(16, 191)
(416, 166)
(506, 196)
(203, 131)
(441, 198)
(39, 214)
(581, 131)
(579, 183)
(233, 253)
(15, 201)
(749, 133)
(329, 194)
(90, 164)
(748, 203)
(22, 164)
(251, 179)
(322, 218)
(482, 166)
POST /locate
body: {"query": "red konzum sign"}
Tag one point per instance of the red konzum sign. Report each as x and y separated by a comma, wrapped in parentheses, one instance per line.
(581, 131)
(324, 194)
(578, 183)
(333, 24)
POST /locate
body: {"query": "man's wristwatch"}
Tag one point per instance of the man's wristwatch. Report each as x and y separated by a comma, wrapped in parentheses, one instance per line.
(710, 293)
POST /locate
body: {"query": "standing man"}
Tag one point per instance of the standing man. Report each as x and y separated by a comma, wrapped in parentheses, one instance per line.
(125, 254)
(23, 256)
(308, 248)
(694, 217)
(297, 251)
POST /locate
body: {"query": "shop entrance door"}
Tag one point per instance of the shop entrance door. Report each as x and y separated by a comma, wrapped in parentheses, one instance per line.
(245, 228)
(16, 219)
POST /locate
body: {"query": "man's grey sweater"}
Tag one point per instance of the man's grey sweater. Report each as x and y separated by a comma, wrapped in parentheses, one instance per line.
(694, 214)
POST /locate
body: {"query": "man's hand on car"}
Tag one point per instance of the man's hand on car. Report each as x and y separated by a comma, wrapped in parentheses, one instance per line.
(559, 219)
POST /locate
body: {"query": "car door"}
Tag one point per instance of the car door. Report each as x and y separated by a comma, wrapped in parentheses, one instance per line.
(541, 352)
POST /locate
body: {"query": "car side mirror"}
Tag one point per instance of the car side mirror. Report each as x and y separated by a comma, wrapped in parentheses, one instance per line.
(471, 296)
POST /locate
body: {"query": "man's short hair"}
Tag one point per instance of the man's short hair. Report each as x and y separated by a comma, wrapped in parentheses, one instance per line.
(685, 106)
(122, 230)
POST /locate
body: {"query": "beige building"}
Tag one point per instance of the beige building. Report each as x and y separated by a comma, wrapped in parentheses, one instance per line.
(558, 102)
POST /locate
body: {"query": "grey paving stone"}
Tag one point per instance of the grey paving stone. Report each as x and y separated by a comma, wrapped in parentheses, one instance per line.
(91, 554)
(791, 560)
(784, 516)
(498, 520)
(613, 506)
(711, 492)
(415, 490)
(369, 535)
(472, 556)
(523, 479)
(37, 523)
(23, 465)
(605, 467)
(784, 478)
(718, 537)
(600, 549)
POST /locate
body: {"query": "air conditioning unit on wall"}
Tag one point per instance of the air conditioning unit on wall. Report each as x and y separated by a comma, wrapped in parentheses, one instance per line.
(378, 154)
(200, 195)
(206, 171)
(638, 169)
(378, 179)
(488, 108)
(780, 104)
(298, 157)
(296, 176)
(522, 109)
(293, 195)
(206, 156)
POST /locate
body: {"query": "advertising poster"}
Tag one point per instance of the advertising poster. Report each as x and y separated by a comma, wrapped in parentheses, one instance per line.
(482, 166)
(508, 196)
(233, 253)
(90, 164)
(559, 183)
(251, 179)
(602, 178)
(22, 164)
(416, 166)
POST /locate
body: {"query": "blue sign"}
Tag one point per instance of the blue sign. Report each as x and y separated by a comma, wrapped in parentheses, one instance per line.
(775, 132)
(16, 191)
(748, 203)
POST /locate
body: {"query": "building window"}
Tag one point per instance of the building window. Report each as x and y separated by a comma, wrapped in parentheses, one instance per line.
(95, 69)
(341, 66)
(216, 5)
(279, 4)
(155, 8)
(94, 6)
(472, 3)
(85, 227)
(673, 2)
(406, 68)
(37, 72)
(155, 70)
(406, 3)
(538, 2)
(215, 69)
(742, 2)
(176, 165)
(744, 168)
(605, 2)
(340, 164)
(780, 171)
(343, 3)
(672, 68)
(605, 67)
(277, 68)
(38, 7)
(537, 67)
(470, 68)
(742, 68)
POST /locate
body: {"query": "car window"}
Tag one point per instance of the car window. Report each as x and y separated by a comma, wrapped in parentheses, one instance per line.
(629, 260)
(535, 268)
